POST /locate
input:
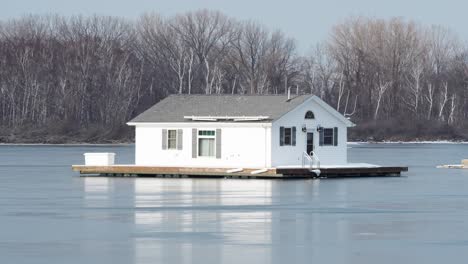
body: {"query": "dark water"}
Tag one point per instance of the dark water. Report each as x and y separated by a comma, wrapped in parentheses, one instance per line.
(49, 215)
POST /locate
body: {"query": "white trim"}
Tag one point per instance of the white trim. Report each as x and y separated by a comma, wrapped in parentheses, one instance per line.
(332, 136)
(208, 137)
(167, 139)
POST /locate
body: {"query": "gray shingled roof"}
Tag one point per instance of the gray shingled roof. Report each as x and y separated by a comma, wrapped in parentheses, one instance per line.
(175, 107)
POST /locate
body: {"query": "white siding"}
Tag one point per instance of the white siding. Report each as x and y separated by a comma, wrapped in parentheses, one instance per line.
(246, 145)
(292, 155)
(243, 146)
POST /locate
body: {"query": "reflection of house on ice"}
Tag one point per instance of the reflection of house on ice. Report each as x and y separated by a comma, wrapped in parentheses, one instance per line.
(96, 190)
(187, 221)
(190, 221)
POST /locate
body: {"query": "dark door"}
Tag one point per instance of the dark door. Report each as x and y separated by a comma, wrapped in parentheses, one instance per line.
(310, 143)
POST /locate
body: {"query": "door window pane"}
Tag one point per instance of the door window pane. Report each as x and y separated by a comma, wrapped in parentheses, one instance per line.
(310, 143)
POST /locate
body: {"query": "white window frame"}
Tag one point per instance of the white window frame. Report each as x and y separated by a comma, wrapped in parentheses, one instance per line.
(332, 144)
(205, 136)
(176, 136)
(290, 136)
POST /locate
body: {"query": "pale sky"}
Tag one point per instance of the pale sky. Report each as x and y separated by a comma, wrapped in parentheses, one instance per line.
(308, 21)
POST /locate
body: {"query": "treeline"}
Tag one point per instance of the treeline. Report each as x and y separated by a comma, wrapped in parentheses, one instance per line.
(84, 77)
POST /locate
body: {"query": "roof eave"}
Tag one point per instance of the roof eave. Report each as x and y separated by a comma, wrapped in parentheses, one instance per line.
(237, 123)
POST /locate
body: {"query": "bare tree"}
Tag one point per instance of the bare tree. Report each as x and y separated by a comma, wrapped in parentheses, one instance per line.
(443, 101)
(430, 100)
(381, 89)
(88, 75)
(208, 34)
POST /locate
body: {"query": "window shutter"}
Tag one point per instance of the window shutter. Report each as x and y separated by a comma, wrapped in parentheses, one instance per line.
(335, 136)
(281, 136)
(194, 143)
(164, 139)
(293, 136)
(180, 139)
(218, 143)
(321, 137)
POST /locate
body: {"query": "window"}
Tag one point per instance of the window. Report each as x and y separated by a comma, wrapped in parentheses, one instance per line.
(206, 143)
(287, 136)
(172, 139)
(206, 132)
(309, 115)
(329, 137)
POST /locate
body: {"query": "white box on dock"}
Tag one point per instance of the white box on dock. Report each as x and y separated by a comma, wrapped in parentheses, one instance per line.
(99, 159)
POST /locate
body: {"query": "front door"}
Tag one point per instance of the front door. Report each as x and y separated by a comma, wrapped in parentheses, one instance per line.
(310, 143)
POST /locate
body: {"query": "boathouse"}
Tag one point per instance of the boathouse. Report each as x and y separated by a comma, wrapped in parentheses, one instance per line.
(240, 131)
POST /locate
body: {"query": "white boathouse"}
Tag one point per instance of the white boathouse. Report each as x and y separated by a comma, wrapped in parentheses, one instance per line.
(240, 131)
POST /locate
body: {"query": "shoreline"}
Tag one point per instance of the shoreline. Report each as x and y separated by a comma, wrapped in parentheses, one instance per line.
(69, 144)
(132, 143)
(409, 142)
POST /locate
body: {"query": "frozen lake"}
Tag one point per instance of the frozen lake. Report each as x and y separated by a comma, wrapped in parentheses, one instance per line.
(49, 215)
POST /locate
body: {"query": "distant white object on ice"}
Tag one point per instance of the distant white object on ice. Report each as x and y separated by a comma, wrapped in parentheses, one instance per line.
(463, 165)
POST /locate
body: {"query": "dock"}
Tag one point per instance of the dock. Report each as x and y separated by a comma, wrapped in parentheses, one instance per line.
(248, 173)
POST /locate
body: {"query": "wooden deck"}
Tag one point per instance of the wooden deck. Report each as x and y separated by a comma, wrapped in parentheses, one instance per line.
(273, 173)
(347, 172)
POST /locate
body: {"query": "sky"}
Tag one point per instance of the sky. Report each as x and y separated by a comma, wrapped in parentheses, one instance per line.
(308, 21)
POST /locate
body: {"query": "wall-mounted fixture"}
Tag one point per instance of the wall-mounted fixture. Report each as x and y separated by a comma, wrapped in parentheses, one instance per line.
(319, 128)
(304, 128)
